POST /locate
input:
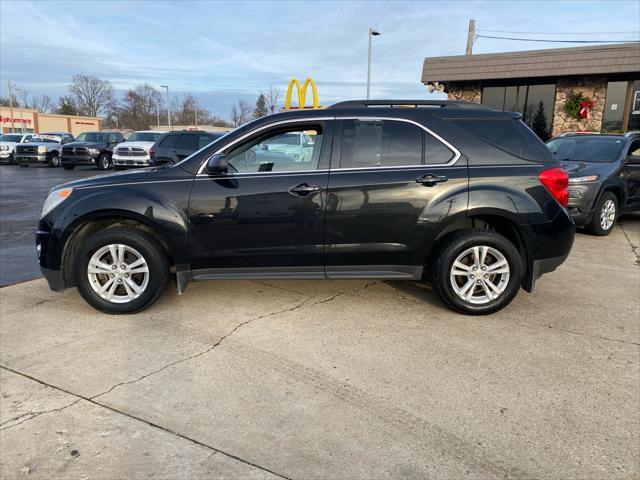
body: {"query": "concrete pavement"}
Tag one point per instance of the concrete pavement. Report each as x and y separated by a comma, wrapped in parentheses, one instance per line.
(330, 379)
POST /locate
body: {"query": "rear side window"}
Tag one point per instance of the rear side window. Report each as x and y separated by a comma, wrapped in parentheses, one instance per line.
(436, 152)
(170, 141)
(510, 135)
(380, 143)
(188, 142)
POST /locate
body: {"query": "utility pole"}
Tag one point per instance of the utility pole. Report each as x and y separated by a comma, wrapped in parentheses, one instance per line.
(168, 107)
(470, 35)
(11, 105)
(196, 114)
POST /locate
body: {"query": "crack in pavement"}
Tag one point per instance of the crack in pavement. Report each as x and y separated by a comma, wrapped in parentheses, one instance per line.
(147, 422)
(586, 334)
(34, 415)
(634, 249)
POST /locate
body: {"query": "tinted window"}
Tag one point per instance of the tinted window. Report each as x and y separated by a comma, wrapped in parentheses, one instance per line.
(635, 148)
(510, 135)
(273, 152)
(587, 148)
(436, 152)
(380, 143)
(144, 137)
(204, 140)
(188, 142)
(11, 138)
(170, 141)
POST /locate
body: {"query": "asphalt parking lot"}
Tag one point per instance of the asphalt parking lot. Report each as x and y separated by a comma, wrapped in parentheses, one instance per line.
(324, 379)
(22, 191)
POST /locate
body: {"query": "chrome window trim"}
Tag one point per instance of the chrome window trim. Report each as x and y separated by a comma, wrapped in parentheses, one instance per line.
(455, 151)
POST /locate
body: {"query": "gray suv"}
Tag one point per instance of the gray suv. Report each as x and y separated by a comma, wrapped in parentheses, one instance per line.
(604, 177)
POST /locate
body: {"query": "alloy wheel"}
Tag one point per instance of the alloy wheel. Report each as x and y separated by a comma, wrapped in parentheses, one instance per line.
(607, 214)
(479, 274)
(118, 273)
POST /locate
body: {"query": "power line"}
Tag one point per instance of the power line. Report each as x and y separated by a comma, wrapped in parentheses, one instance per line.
(559, 33)
(547, 40)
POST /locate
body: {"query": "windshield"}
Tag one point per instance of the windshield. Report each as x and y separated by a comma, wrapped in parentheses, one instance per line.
(287, 139)
(44, 139)
(586, 149)
(92, 137)
(144, 137)
(10, 138)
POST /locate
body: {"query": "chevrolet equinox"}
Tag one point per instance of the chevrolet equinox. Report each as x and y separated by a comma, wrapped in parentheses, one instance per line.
(452, 193)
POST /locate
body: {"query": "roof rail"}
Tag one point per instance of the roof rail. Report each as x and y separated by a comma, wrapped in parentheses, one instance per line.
(406, 104)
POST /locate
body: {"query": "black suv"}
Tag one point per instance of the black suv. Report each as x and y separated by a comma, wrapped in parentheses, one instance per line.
(464, 197)
(91, 148)
(604, 177)
(174, 147)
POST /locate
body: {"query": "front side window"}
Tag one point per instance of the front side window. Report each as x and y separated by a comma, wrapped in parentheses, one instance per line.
(279, 150)
(380, 143)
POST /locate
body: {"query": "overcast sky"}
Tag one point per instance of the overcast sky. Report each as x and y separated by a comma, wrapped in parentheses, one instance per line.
(222, 51)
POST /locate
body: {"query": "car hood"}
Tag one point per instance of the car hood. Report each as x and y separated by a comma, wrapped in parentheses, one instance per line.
(145, 145)
(85, 144)
(579, 169)
(125, 177)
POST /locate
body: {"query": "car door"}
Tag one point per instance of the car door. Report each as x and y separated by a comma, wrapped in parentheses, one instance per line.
(632, 175)
(265, 217)
(391, 182)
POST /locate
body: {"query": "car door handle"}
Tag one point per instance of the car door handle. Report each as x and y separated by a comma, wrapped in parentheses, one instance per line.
(429, 180)
(303, 189)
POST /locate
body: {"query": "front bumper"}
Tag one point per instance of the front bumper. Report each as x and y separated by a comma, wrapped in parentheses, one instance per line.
(30, 158)
(91, 159)
(6, 156)
(121, 161)
(582, 198)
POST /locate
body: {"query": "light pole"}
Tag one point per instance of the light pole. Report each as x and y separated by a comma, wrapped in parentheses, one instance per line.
(168, 106)
(21, 92)
(372, 33)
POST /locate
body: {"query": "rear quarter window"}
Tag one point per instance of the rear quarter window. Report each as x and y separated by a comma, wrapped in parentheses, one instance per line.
(509, 135)
(170, 141)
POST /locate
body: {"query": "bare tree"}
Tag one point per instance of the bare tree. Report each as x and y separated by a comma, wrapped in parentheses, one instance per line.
(92, 95)
(139, 107)
(271, 96)
(241, 113)
(41, 103)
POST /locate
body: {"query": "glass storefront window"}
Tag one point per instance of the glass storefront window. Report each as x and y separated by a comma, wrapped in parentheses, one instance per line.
(634, 110)
(534, 102)
(613, 116)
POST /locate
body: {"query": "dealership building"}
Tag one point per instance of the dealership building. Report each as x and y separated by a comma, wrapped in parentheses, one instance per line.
(565, 89)
(28, 120)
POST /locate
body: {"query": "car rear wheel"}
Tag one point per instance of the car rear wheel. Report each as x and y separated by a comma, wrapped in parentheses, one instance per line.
(121, 270)
(477, 272)
(604, 215)
(54, 161)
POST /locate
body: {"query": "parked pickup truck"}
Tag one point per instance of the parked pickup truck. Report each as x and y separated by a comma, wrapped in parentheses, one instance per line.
(135, 152)
(91, 148)
(43, 148)
(8, 143)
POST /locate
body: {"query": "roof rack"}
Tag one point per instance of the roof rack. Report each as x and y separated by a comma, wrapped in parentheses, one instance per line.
(406, 104)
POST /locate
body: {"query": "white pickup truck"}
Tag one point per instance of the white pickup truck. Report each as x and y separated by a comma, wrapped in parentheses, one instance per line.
(8, 142)
(135, 151)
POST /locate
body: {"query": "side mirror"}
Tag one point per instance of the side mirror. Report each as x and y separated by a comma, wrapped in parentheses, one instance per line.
(217, 165)
(633, 160)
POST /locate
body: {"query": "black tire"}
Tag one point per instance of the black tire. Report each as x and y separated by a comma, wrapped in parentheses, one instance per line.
(455, 245)
(141, 241)
(596, 227)
(119, 167)
(54, 161)
(104, 162)
(68, 167)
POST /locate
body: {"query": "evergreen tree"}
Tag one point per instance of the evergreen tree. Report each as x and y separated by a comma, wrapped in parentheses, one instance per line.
(67, 106)
(539, 125)
(261, 107)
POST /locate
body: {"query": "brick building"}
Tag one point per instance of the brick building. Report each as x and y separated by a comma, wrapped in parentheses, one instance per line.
(540, 82)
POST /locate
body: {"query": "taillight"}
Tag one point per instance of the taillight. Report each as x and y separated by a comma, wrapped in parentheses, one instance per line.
(556, 180)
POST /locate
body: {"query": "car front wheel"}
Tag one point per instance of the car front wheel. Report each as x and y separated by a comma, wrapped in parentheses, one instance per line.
(54, 161)
(604, 215)
(104, 162)
(477, 272)
(121, 270)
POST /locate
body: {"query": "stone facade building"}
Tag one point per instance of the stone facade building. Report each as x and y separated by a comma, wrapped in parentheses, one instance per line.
(540, 83)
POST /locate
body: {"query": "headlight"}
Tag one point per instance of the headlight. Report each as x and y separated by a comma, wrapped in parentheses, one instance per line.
(54, 199)
(588, 178)
(94, 151)
(4, 147)
(42, 149)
